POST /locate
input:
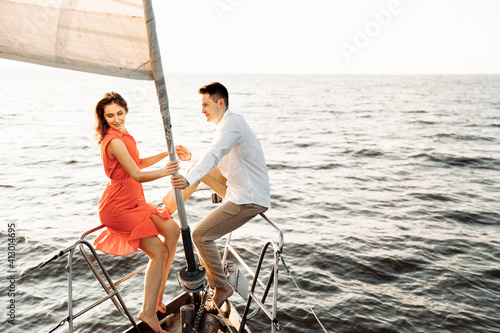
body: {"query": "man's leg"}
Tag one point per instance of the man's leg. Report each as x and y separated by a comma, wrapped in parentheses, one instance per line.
(225, 219)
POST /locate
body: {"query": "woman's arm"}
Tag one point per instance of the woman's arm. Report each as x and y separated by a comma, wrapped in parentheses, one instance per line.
(116, 148)
(149, 161)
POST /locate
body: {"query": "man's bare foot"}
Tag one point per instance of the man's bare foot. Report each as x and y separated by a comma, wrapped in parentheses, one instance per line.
(152, 322)
(161, 308)
(220, 296)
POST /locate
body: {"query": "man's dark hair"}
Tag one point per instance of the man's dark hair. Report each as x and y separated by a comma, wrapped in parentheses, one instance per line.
(216, 91)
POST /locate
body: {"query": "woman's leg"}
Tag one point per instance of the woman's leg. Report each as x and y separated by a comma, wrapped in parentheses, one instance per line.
(169, 199)
(214, 179)
(157, 253)
(170, 232)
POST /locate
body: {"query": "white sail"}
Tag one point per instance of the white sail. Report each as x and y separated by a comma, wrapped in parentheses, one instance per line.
(110, 37)
(98, 36)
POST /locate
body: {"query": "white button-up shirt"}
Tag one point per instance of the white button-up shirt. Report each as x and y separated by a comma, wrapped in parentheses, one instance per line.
(237, 151)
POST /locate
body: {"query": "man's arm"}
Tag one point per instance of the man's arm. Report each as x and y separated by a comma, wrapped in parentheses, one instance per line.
(224, 140)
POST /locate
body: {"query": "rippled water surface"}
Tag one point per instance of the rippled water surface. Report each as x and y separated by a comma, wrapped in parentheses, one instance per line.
(386, 187)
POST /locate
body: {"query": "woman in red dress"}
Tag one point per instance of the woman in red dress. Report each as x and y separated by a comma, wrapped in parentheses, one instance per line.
(131, 222)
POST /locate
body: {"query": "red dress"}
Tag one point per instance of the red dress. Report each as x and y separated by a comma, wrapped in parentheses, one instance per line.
(122, 208)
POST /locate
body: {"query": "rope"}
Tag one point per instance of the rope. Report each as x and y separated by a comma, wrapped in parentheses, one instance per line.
(300, 291)
(220, 315)
(201, 309)
(277, 324)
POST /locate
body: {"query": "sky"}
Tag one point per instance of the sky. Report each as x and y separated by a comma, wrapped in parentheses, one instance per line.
(329, 36)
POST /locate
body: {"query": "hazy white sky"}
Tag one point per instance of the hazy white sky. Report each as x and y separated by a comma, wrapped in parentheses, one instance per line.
(330, 36)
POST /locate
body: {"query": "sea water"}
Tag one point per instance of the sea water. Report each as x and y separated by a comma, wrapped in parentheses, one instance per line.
(386, 188)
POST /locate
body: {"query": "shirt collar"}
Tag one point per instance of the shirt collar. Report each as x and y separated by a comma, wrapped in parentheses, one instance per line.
(226, 114)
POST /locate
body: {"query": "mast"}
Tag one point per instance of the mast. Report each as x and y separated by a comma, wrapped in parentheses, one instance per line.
(192, 276)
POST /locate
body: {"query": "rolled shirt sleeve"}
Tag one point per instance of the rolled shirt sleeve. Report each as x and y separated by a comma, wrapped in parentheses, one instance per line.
(226, 137)
(239, 155)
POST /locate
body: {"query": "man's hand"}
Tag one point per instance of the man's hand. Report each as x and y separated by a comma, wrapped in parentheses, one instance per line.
(178, 181)
(182, 153)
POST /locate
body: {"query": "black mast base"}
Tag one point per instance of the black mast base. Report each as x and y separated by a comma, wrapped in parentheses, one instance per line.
(193, 282)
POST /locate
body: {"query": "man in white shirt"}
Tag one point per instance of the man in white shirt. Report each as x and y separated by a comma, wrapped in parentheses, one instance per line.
(234, 166)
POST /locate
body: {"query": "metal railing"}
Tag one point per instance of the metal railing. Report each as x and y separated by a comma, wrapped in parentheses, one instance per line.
(112, 293)
(96, 272)
(105, 280)
(273, 278)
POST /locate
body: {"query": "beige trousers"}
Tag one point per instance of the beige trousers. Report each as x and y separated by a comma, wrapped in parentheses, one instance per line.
(225, 219)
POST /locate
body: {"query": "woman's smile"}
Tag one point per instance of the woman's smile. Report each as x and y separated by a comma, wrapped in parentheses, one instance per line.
(115, 116)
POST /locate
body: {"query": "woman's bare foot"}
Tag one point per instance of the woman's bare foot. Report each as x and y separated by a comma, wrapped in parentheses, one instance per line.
(152, 322)
(161, 308)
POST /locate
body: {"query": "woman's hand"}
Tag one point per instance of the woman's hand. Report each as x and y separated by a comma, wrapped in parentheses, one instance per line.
(182, 153)
(171, 168)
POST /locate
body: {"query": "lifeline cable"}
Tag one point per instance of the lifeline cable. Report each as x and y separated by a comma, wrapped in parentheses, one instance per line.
(57, 256)
(300, 291)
